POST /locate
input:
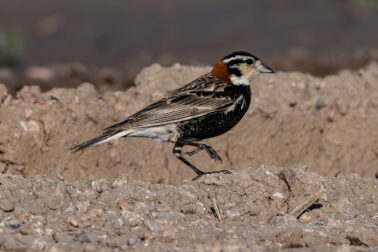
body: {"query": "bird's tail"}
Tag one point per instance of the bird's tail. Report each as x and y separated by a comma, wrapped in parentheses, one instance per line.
(105, 137)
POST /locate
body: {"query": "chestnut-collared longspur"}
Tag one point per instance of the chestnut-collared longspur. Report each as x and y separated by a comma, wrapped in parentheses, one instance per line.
(206, 107)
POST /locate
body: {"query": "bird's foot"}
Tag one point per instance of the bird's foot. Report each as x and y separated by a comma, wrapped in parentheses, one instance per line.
(210, 151)
(199, 175)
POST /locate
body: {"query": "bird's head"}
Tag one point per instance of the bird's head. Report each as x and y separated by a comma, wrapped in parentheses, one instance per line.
(239, 68)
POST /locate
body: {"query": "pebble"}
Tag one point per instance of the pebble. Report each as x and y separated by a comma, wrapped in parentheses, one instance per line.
(60, 189)
(82, 237)
(189, 209)
(149, 237)
(233, 213)
(14, 224)
(123, 205)
(99, 186)
(97, 212)
(320, 103)
(168, 233)
(153, 226)
(74, 223)
(132, 241)
(331, 115)
(53, 203)
(333, 223)
(305, 218)
(6, 205)
(342, 108)
(279, 196)
(132, 222)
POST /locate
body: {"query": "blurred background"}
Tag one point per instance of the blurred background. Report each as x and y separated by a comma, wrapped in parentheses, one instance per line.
(64, 43)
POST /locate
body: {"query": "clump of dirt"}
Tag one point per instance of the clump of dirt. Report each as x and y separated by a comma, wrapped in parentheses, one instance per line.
(295, 119)
(247, 210)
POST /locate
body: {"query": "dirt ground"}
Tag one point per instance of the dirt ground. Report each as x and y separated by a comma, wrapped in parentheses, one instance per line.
(112, 196)
(247, 210)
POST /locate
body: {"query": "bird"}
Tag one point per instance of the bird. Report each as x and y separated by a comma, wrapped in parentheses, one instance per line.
(207, 107)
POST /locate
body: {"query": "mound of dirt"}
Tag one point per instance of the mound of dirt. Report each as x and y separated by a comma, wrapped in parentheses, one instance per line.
(244, 211)
(329, 124)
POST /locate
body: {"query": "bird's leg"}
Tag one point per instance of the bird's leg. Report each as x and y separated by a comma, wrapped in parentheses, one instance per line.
(177, 152)
(177, 149)
(210, 151)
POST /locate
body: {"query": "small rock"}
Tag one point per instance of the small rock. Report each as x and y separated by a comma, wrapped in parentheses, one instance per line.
(14, 224)
(320, 103)
(123, 205)
(6, 205)
(53, 203)
(168, 233)
(331, 115)
(279, 196)
(132, 222)
(132, 241)
(60, 189)
(100, 186)
(153, 226)
(333, 223)
(149, 237)
(305, 218)
(189, 209)
(342, 108)
(74, 223)
(82, 237)
(97, 212)
(233, 213)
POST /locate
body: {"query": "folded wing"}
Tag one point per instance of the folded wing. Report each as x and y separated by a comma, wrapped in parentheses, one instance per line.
(177, 107)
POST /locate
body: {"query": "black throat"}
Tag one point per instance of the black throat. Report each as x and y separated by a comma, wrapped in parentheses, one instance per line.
(234, 92)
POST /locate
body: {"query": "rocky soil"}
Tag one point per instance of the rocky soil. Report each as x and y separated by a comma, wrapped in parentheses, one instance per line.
(247, 210)
(133, 193)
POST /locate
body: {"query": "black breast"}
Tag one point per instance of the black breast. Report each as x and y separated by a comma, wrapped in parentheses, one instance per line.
(217, 123)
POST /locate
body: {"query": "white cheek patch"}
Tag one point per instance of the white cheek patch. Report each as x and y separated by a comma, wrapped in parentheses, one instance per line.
(245, 78)
(242, 80)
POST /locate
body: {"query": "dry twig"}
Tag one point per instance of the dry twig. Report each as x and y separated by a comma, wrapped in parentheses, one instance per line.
(304, 204)
(216, 209)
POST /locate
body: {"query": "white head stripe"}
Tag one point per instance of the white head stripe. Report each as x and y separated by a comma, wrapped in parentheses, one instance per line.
(238, 57)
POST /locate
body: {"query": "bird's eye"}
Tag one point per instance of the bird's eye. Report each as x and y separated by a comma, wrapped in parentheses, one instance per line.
(249, 61)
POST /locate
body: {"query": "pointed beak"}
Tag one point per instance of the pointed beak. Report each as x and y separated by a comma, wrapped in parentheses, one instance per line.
(264, 68)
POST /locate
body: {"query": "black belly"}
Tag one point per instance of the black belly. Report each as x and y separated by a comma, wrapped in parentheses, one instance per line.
(213, 124)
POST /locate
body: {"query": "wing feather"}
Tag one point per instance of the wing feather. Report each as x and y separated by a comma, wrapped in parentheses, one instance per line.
(193, 100)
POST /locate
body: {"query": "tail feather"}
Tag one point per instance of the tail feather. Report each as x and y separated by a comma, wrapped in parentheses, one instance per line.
(105, 137)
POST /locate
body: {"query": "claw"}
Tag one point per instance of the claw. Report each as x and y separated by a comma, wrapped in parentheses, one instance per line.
(212, 153)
